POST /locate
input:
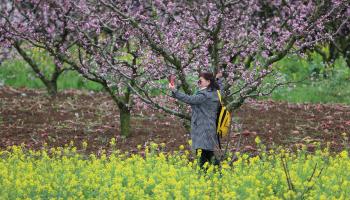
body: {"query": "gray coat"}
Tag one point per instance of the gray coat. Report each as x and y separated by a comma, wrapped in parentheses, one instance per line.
(204, 106)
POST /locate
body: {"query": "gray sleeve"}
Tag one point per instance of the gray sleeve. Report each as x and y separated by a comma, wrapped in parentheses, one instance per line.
(190, 99)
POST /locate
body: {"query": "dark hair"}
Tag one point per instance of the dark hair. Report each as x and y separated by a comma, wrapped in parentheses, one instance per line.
(210, 77)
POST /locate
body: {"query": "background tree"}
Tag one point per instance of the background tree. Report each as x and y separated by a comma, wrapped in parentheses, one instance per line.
(337, 46)
(73, 36)
(28, 25)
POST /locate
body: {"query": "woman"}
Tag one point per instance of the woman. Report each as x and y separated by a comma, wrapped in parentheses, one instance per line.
(204, 104)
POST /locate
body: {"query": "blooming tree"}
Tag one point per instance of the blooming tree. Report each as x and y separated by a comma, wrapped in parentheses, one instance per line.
(339, 44)
(105, 54)
(131, 46)
(40, 25)
(242, 38)
(112, 52)
(73, 36)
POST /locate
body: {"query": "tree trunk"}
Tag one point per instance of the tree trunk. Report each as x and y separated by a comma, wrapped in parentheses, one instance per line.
(125, 117)
(347, 59)
(51, 88)
(51, 85)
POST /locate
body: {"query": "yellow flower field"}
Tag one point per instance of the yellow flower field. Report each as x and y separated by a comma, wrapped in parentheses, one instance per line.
(63, 173)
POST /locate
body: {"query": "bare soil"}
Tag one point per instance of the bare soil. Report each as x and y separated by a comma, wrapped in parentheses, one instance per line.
(30, 117)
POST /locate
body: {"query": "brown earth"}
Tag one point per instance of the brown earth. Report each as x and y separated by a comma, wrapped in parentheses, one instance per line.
(29, 117)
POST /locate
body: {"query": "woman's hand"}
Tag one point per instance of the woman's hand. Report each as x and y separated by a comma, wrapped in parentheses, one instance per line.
(172, 87)
(218, 75)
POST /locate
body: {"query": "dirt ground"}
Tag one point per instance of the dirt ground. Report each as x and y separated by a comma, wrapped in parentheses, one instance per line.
(29, 117)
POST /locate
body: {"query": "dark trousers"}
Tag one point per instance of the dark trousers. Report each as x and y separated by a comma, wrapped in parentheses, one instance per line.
(207, 156)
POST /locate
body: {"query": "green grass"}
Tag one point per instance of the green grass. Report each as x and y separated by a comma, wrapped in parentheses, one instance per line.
(333, 89)
(316, 92)
(17, 73)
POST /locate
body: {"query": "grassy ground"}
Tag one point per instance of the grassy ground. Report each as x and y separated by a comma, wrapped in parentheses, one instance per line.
(17, 73)
(324, 85)
(319, 89)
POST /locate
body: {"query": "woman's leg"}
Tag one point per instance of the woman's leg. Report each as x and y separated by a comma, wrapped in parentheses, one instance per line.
(206, 156)
(202, 158)
(211, 158)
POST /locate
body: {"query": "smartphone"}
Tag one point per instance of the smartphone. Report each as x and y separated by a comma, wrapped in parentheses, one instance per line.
(171, 79)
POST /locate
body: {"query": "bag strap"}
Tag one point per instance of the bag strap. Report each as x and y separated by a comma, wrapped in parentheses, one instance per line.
(219, 95)
(218, 137)
(219, 141)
